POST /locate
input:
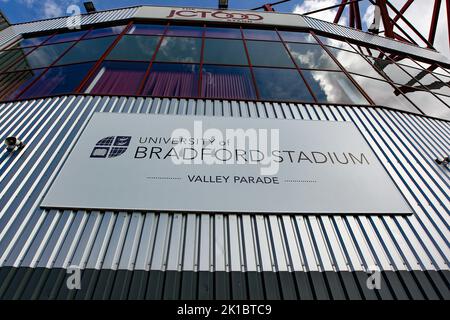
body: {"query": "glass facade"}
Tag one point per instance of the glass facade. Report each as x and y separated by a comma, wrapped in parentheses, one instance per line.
(219, 62)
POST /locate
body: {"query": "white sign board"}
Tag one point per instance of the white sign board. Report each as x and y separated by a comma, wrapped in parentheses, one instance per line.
(221, 16)
(223, 164)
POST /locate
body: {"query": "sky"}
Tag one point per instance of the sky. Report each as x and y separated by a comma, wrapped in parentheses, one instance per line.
(28, 10)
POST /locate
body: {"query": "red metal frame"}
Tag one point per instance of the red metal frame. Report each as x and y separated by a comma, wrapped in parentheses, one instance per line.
(391, 23)
(199, 93)
(258, 97)
(53, 63)
(152, 60)
(99, 62)
(297, 67)
(434, 21)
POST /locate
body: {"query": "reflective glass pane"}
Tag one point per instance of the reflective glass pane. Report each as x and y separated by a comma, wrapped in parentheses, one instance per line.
(369, 52)
(9, 59)
(335, 43)
(179, 49)
(58, 80)
(147, 29)
(255, 34)
(87, 50)
(292, 36)
(383, 94)
(429, 104)
(172, 80)
(333, 87)
(264, 53)
(434, 83)
(102, 32)
(227, 33)
(117, 78)
(134, 48)
(28, 42)
(438, 70)
(444, 78)
(44, 56)
(281, 84)
(224, 52)
(67, 36)
(11, 84)
(353, 62)
(390, 70)
(185, 31)
(311, 56)
(227, 82)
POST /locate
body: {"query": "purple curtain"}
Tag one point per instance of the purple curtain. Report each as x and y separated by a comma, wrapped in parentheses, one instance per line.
(232, 85)
(172, 84)
(117, 81)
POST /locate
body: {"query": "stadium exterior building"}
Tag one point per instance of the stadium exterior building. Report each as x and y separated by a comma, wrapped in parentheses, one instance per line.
(230, 66)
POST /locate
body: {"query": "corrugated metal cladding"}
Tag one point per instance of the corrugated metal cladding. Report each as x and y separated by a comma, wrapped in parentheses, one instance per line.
(150, 243)
(354, 34)
(61, 23)
(32, 237)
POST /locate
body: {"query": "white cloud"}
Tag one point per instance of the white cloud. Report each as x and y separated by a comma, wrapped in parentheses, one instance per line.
(52, 9)
(327, 15)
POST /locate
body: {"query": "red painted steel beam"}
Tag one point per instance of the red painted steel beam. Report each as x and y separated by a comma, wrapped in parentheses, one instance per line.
(434, 21)
(409, 24)
(403, 9)
(340, 11)
(388, 27)
(448, 21)
(357, 15)
(351, 16)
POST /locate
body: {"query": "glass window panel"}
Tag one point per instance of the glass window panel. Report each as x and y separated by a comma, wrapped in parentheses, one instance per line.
(353, 62)
(227, 33)
(227, 82)
(102, 32)
(370, 52)
(336, 43)
(117, 78)
(11, 84)
(292, 36)
(67, 36)
(264, 53)
(224, 52)
(429, 104)
(383, 94)
(281, 84)
(390, 70)
(172, 80)
(10, 58)
(28, 42)
(134, 48)
(439, 71)
(185, 31)
(414, 72)
(255, 34)
(58, 80)
(333, 87)
(311, 56)
(435, 84)
(179, 49)
(86, 50)
(44, 56)
(444, 78)
(147, 29)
